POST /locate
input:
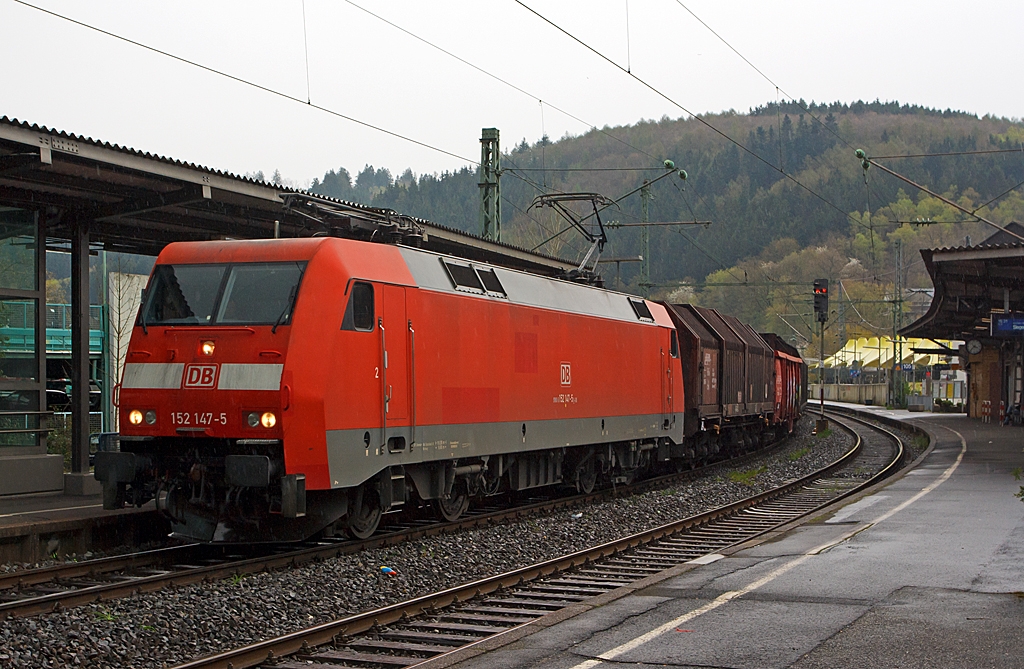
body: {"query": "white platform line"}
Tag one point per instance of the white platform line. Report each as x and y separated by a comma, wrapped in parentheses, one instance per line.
(633, 644)
(67, 508)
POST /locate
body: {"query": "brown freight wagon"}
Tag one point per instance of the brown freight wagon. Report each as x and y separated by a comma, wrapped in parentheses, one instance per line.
(732, 371)
(760, 361)
(700, 355)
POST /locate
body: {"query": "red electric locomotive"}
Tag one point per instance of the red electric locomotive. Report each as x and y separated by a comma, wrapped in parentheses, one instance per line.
(275, 388)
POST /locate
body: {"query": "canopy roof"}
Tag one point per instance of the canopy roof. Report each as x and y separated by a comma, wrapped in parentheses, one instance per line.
(138, 202)
(879, 352)
(972, 283)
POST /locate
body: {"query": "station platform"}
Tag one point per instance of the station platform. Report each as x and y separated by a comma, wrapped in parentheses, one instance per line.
(43, 526)
(874, 410)
(924, 571)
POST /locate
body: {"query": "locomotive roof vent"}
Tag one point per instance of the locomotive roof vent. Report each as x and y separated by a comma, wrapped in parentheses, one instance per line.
(470, 279)
(641, 310)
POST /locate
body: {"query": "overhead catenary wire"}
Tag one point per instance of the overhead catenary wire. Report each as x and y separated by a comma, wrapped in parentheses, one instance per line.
(778, 88)
(982, 219)
(584, 169)
(951, 153)
(697, 117)
(305, 49)
(498, 79)
(246, 82)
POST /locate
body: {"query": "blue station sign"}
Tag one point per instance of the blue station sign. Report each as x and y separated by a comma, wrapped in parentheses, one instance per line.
(1008, 326)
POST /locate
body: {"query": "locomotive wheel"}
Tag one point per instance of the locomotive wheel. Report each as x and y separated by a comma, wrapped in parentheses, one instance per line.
(451, 507)
(586, 477)
(365, 517)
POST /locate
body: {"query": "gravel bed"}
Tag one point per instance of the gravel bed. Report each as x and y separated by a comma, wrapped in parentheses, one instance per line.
(181, 623)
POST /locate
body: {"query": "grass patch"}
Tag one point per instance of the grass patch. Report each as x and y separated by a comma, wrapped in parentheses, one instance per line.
(746, 477)
(827, 432)
(921, 442)
(796, 455)
(105, 614)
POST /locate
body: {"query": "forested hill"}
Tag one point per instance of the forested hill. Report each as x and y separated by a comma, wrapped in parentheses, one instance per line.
(774, 182)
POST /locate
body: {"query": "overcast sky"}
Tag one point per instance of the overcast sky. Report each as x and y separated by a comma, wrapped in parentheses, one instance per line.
(961, 55)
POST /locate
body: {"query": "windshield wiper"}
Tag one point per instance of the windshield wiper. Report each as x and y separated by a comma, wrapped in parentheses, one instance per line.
(291, 302)
(287, 308)
(142, 316)
(291, 299)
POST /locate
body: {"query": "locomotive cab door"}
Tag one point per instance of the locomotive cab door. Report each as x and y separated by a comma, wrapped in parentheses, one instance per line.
(668, 382)
(394, 338)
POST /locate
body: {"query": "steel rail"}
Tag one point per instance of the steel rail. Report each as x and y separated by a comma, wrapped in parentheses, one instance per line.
(584, 574)
(104, 579)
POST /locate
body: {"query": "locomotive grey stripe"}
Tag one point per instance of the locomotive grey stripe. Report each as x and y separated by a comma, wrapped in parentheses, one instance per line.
(152, 375)
(266, 376)
(351, 463)
(526, 289)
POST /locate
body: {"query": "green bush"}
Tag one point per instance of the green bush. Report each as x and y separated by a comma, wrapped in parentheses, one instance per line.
(58, 442)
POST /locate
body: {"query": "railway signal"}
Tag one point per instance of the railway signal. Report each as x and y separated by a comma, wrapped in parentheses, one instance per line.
(821, 299)
(821, 313)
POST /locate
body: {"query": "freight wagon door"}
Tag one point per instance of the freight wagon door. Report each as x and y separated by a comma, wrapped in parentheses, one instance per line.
(394, 334)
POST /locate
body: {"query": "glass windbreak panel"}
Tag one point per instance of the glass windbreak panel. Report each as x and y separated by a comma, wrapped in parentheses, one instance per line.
(17, 249)
(18, 340)
(182, 294)
(17, 428)
(260, 294)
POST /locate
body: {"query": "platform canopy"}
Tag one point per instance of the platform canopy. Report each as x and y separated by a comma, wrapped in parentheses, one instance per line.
(138, 202)
(972, 285)
(878, 352)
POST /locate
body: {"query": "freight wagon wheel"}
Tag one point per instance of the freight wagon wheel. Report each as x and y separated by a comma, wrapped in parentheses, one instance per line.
(453, 506)
(365, 515)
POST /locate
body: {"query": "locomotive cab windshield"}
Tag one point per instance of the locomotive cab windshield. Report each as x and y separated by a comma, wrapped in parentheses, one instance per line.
(226, 294)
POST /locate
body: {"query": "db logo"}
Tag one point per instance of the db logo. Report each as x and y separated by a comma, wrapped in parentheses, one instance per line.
(566, 374)
(200, 376)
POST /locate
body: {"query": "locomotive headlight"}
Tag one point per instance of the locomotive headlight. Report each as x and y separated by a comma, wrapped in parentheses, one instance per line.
(150, 417)
(135, 417)
(206, 348)
(255, 419)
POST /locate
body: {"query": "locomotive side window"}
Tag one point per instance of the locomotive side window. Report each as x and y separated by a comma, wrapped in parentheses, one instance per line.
(182, 294)
(463, 277)
(674, 350)
(359, 312)
(261, 293)
(490, 280)
(641, 310)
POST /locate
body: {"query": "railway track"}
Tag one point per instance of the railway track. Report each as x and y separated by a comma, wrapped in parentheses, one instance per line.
(414, 631)
(34, 591)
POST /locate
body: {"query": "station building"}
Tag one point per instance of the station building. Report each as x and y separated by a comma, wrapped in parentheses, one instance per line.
(979, 299)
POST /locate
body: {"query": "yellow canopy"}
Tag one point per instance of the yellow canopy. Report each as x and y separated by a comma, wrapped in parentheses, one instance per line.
(879, 352)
